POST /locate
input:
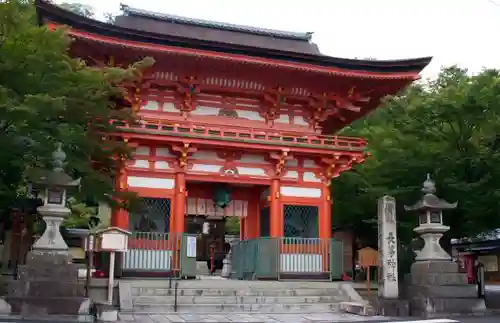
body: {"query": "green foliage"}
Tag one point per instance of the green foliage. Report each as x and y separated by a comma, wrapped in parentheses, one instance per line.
(233, 225)
(47, 97)
(81, 9)
(81, 215)
(447, 127)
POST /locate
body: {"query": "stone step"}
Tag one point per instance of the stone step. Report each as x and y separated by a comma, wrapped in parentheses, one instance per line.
(450, 291)
(167, 300)
(236, 292)
(239, 308)
(451, 305)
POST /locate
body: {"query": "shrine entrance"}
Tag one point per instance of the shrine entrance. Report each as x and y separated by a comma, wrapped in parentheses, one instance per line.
(211, 209)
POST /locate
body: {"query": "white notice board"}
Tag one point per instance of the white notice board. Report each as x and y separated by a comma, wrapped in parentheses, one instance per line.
(191, 247)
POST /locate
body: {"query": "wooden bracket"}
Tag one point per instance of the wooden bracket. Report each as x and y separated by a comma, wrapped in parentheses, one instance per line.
(187, 88)
(281, 159)
(184, 151)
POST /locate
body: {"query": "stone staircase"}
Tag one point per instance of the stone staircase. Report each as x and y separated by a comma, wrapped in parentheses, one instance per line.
(217, 295)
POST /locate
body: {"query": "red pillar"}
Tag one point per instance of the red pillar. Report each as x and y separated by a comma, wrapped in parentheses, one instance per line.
(180, 202)
(252, 221)
(325, 214)
(276, 216)
(120, 217)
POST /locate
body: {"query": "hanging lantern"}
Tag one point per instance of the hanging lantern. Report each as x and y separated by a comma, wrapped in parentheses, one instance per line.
(222, 196)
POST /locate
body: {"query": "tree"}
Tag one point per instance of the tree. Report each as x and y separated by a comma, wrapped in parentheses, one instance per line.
(47, 97)
(447, 127)
(87, 11)
(81, 9)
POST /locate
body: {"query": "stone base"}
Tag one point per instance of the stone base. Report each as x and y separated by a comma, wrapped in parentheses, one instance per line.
(392, 307)
(436, 287)
(358, 308)
(47, 285)
(106, 313)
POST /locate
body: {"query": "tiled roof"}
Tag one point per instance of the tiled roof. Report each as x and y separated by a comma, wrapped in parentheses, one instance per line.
(224, 33)
(305, 36)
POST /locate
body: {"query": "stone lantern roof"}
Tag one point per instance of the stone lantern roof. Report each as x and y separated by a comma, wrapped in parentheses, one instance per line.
(430, 201)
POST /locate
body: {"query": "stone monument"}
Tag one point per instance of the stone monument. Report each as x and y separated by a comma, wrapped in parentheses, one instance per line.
(435, 286)
(389, 302)
(48, 283)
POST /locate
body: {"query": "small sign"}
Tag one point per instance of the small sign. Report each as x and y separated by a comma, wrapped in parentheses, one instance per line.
(113, 239)
(368, 257)
(191, 247)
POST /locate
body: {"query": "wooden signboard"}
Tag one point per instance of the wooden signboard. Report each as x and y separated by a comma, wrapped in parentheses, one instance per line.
(367, 258)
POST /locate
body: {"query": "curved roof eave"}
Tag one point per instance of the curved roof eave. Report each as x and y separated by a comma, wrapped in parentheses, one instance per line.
(50, 12)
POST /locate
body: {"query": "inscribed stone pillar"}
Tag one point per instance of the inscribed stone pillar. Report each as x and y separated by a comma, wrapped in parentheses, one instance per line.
(388, 248)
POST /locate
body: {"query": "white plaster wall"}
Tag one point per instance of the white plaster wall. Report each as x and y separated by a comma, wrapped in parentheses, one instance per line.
(205, 111)
(251, 171)
(283, 118)
(291, 174)
(311, 177)
(206, 168)
(151, 106)
(294, 191)
(310, 163)
(150, 182)
(170, 107)
(206, 155)
(164, 152)
(253, 158)
(300, 120)
(142, 150)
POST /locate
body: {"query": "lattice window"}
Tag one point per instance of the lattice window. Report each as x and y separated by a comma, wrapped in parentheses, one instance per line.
(153, 215)
(264, 222)
(301, 221)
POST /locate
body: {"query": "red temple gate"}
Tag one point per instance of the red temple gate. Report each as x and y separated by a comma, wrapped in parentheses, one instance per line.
(250, 108)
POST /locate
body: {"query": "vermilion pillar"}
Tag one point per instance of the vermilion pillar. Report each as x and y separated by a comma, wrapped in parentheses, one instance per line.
(275, 216)
(119, 217)
(180, 202)
(252, 221)
(325, 214)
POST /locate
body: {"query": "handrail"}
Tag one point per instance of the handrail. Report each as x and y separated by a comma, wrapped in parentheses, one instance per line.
(246, 134)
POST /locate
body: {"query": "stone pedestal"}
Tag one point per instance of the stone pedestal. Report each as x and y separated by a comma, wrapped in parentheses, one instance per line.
(47, 285)
(436, 287)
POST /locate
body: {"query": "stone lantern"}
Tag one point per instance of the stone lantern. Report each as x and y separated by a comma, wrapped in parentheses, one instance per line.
(48, 281)
(435, 286)
(53, 186)
(430, 219)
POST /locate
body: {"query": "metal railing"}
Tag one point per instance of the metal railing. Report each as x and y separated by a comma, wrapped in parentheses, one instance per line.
(288, 258)
(159, 252)
(245, 134)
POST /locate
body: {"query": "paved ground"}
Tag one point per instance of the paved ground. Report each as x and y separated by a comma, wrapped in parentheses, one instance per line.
(293, 318)
(261, 318)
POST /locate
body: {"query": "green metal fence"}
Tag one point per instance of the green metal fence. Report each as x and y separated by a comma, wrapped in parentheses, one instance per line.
(287, 258)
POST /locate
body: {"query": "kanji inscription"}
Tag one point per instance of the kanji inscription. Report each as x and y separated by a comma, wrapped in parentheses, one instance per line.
(388, 248)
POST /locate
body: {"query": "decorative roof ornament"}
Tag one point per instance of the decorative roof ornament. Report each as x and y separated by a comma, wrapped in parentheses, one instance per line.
(429, 186)
(430, 201)
(58, 158)
(57, 176)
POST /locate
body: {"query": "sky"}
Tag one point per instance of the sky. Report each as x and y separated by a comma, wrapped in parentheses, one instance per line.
(461, 32)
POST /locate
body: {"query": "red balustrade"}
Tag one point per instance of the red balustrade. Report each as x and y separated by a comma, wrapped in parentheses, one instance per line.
(245, 134)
